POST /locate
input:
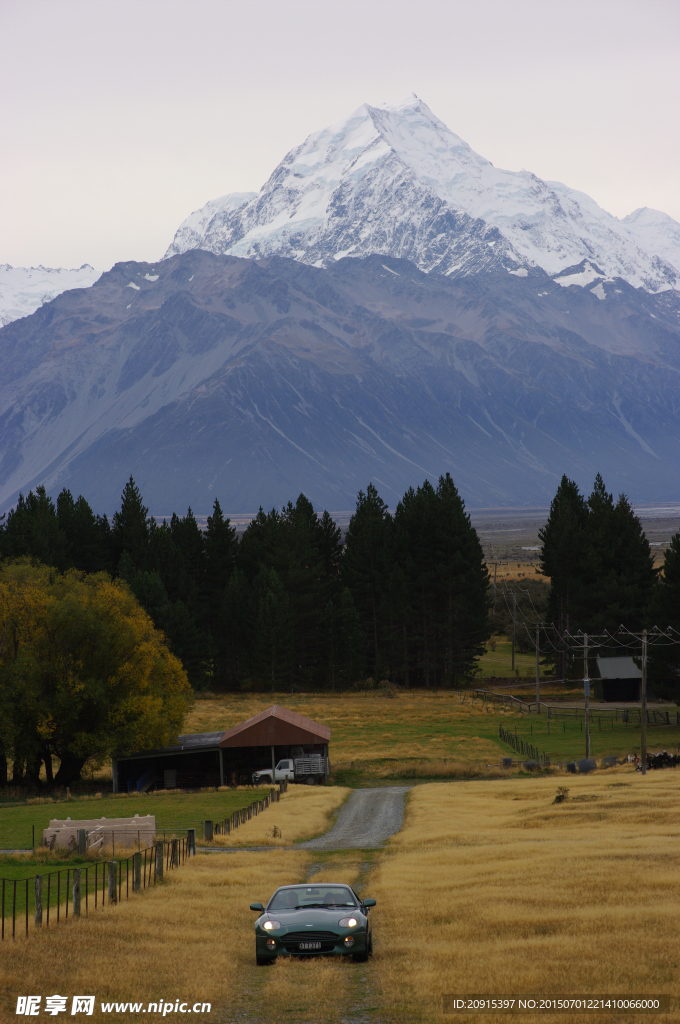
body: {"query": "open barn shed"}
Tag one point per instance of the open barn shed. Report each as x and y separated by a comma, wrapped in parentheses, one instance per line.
(222, 758)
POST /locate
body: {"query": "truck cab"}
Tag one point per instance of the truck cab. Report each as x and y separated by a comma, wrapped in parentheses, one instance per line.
(285, 770)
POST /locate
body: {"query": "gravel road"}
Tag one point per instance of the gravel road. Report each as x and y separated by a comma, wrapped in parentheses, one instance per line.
(366, 820)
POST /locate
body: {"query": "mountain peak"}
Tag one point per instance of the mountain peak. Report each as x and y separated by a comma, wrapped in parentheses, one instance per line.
(394, 180)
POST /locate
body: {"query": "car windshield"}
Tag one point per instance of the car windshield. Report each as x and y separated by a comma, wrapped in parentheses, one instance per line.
(295, 898)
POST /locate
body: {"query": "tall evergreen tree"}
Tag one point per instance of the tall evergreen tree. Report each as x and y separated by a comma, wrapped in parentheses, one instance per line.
(220, 547)
(564, 561)
(599, 563)
(365, 568)
(130, 530)
(272, 621)
(344, 641)
(87, 536)
(32, 529)
(439, 553)
(620, 562)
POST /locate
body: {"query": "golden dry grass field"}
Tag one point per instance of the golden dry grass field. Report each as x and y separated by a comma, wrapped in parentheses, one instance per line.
(489, 888)
(301, 813)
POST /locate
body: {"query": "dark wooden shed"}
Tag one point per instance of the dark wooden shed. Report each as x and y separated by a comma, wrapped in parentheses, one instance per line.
(620, 681)
(217, 758)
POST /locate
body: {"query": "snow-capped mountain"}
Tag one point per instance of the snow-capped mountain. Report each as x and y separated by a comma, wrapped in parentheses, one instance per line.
(394, 180)
(252, 380)
(25, 289)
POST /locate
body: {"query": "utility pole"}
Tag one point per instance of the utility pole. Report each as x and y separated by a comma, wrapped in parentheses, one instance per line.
(538, 689)
(643, 706)
(514, 616)
(586, 691)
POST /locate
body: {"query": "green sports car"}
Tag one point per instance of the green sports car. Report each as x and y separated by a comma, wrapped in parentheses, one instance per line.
(313, 920)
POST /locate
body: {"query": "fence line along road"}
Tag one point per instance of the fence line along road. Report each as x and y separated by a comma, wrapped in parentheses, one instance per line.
(40, 897)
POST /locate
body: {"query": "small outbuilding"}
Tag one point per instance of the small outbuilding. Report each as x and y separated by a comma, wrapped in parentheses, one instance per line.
(620, 681)
(222, 758)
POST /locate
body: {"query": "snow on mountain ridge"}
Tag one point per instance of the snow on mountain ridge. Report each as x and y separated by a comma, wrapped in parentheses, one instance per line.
(25, 289)
(394, 180)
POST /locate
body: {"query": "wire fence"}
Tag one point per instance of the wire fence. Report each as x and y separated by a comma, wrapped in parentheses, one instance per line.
(44, 900)
(628, 715)
(49, 898)
(523, 746)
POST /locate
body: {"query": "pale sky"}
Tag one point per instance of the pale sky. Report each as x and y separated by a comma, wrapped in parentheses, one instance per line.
(120, 117)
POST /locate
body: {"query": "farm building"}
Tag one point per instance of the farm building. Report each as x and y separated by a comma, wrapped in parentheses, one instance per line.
(222, 758)
(620, 680)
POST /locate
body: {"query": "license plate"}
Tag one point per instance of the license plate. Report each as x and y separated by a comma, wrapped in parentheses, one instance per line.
(309, 945)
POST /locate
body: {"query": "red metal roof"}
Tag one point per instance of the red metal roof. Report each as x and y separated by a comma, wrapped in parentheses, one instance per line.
(277, 726)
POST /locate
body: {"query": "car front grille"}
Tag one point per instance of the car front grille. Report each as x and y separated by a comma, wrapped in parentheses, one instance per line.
(310, 936)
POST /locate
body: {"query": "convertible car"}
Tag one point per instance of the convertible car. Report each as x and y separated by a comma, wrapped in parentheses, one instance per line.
(313, 920)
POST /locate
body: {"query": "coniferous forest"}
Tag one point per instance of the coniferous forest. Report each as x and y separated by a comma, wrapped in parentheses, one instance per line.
(403, 596)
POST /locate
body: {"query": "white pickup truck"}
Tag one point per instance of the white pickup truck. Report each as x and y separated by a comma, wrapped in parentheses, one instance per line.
(310, 770)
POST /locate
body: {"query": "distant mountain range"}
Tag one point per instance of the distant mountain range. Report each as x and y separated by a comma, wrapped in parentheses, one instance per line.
(394, 180)
(25, 289)
(388, 307)
(251, 380)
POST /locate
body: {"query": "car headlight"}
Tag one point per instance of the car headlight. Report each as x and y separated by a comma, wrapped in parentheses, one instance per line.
(348, 922)
(271, 926)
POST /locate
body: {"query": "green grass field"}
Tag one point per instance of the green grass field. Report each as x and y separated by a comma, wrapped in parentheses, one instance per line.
(564, 739)
(498, 662)
(172, 810)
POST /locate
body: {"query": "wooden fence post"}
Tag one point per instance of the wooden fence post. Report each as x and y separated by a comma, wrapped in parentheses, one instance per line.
(38, 900)
(208, 831)
(113, 881)
(76, 890)
(159, 860)
(174, 855)
(191, 842)
(82, 842)
(136, 871)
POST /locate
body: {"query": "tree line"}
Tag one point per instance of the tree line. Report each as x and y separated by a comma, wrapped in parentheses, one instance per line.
(403, 596)
(602, 576)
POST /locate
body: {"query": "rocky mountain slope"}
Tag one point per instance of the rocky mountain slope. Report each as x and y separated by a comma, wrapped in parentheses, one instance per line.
(395, 180)
(213, 376)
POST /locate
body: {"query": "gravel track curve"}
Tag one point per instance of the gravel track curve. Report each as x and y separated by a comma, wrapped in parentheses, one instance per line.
(365, 821)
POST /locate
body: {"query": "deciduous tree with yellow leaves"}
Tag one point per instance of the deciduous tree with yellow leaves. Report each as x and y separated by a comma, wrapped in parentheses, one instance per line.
(83, 672)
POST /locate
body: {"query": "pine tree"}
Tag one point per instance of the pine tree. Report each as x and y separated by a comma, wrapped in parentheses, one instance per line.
(365, 568)
(32, 529)
(131, 527)
(235, 634)
(564, 561)
(87, 537)
(272, 621)
(220, 546)
(619, 570)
